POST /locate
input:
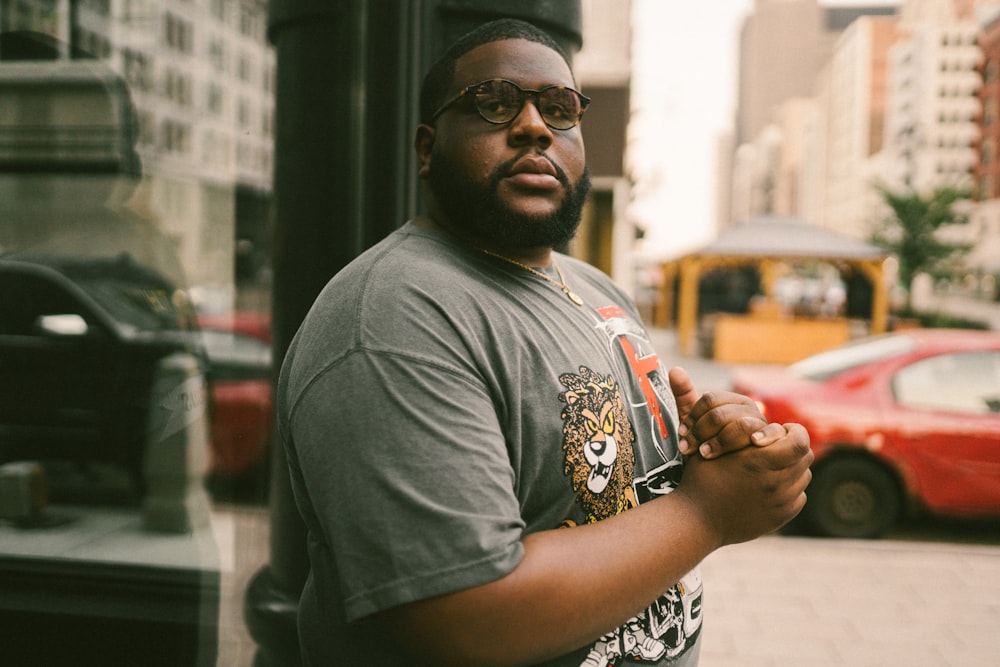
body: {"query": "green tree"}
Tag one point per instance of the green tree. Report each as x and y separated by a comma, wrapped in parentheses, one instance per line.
(910, 229)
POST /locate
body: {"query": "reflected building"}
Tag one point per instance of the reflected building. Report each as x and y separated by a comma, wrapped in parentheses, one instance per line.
(201, 77)
(136, 144)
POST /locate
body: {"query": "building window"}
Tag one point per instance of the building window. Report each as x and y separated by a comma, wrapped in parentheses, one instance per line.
(243, 68)
(217, 54)
(243, 114)
(177, 87)
(175, 137)
(990, 71)
(177, 33)
(218, 9)
(214, 97)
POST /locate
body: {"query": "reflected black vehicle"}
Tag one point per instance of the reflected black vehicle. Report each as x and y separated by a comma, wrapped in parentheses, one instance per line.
(80, 344)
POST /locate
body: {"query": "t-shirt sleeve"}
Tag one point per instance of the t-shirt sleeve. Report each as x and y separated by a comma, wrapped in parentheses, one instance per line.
(409, 475)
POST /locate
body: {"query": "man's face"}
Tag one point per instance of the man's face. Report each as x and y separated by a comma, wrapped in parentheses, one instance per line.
(518, 185)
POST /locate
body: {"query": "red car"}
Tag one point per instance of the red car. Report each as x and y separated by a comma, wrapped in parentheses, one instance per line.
(239, 373)
(902, 421)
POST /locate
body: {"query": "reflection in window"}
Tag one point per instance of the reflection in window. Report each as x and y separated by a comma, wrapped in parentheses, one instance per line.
(961, 382)
(119, 188)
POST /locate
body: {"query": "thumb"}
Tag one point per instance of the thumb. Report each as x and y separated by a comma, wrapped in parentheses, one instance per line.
(683, 389)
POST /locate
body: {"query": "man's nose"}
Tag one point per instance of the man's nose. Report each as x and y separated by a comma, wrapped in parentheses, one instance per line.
(529, 124)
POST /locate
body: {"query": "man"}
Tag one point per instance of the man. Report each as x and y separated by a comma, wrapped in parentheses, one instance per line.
(482, 443)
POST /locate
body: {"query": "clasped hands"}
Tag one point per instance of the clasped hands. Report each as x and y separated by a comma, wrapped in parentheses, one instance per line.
(717, 423)
(745, 476)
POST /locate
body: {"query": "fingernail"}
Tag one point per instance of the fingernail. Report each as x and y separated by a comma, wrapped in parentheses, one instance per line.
(758, 436)
(705, 451)
(682, 430)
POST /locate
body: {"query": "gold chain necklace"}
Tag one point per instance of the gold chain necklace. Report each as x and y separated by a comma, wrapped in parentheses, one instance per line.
(570, 294)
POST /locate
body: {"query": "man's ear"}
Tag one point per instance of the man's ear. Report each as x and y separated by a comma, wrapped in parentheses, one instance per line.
(423, 143)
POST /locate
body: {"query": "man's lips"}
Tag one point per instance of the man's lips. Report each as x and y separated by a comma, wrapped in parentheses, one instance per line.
(534, 171)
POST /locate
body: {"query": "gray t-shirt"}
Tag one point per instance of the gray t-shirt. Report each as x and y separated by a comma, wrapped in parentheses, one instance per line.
(439, 404)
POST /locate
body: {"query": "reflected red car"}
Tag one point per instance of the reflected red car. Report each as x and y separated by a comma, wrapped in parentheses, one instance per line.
(900, 422)
(239, 374)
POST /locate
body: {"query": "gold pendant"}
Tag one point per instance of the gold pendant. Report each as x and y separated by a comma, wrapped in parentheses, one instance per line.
(573, 297)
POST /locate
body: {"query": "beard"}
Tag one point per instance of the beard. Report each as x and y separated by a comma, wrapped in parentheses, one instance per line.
(478, 211)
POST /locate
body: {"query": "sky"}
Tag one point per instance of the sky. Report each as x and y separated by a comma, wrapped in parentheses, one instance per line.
(684, 85)
(684, 59)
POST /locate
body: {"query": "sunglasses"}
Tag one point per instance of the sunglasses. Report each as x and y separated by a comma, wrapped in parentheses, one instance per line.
(499, 101)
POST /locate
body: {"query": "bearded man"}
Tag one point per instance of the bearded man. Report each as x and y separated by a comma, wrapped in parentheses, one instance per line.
(461, 396)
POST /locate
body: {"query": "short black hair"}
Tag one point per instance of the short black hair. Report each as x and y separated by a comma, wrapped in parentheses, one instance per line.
(439, 77)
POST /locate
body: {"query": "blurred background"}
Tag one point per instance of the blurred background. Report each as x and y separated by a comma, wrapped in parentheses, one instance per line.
(773, 179)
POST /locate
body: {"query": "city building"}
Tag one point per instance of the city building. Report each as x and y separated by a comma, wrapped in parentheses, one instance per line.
(785, 45)
(932, 96)
(906, 98)
(201, 77)
(603, 68)
(851, 95)
(984, 216)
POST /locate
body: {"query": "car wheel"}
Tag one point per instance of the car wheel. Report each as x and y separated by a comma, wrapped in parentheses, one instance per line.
(853, 498)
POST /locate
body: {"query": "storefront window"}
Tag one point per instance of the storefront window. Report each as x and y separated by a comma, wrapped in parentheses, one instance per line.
(135, 360)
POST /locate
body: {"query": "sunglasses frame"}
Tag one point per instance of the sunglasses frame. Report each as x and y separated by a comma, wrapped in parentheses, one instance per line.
(527, 94)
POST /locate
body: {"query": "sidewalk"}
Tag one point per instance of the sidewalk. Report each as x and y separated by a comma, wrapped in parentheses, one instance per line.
(781, 601)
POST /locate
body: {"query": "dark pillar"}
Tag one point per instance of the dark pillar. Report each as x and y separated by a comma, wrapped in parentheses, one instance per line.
(348, 78)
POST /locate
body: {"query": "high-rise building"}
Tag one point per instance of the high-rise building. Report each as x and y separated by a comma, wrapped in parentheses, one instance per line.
(784, 47)
(933, 96)
(201, 77)
(852, 97)
(984, 217)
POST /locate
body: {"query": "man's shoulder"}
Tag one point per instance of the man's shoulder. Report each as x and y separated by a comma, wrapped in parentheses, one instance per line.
(407, 256)
(391, 292)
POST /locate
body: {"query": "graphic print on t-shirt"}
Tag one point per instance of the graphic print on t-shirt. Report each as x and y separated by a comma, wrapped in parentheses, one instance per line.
(598, 446)
(597, 443)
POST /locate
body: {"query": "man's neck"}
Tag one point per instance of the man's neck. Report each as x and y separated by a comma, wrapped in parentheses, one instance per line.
(540, 257)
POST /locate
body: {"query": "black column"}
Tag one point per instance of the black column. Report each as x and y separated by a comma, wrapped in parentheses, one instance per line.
(348, 78)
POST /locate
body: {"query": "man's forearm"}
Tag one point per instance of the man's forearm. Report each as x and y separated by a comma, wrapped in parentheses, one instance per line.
(576, 584)
(572, 586)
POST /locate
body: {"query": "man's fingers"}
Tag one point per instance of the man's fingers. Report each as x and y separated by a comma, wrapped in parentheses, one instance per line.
(792, 449)
(725, 428)
(768, 435)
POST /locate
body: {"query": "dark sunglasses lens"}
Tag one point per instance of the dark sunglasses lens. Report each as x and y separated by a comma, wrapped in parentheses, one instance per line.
(498, 101)
(560, 107)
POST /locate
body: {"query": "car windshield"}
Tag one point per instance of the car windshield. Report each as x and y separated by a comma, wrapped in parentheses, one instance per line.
(828, 364)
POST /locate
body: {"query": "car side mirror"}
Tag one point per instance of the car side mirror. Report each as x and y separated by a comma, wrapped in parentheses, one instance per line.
(68, 324)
